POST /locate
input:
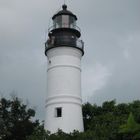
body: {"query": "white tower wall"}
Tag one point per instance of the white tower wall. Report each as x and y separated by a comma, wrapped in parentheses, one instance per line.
(64, 89)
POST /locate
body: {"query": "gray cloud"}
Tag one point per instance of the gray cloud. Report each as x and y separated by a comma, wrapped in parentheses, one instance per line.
(110, 66)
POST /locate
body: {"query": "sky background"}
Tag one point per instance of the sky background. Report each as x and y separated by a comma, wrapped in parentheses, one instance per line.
(110, 66)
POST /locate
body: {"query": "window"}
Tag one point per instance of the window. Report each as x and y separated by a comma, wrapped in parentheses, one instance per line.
(57, 22)
(58, 112)
(72, 22)
(65, 21)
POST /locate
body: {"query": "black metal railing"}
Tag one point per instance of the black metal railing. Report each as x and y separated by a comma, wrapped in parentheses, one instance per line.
(64, 26)
(64, 41)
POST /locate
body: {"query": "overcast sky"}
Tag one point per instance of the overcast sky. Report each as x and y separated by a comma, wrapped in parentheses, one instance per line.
(110, 66)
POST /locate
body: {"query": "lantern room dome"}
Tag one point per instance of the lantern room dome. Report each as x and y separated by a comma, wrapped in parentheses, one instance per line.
(64, 31)
(64, 11)
(64, 21)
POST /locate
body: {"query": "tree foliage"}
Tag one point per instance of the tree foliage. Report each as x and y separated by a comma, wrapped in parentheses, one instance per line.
(110, 121)
(131, 129)
(15, 119)
(106, 122)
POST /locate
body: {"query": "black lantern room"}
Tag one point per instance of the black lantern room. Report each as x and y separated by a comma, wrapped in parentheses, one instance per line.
(64, 31)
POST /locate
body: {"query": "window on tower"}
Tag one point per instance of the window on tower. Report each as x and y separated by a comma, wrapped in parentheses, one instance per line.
(58, 112)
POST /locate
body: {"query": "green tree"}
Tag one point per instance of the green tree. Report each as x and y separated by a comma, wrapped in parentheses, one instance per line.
(39, 133)
(135, 109)
(107, 122)
(109, 106)
(15, 119)
(130, 130)
(87, 114)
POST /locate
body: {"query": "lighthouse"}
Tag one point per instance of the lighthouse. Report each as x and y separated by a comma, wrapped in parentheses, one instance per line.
(64, 51)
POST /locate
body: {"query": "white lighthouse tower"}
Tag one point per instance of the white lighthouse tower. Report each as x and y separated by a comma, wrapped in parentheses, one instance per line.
(64, 51)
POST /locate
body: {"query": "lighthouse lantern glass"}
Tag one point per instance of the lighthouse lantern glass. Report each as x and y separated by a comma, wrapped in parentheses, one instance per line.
(64, 21)
(57, 22)
(72, 22)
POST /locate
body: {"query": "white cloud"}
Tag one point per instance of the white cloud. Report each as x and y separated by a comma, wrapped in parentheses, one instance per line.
(94, 78)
